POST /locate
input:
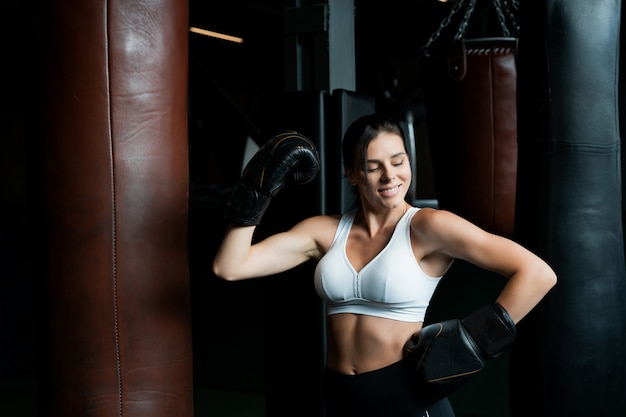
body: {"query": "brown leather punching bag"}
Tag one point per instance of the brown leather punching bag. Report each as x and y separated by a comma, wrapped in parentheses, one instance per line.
(115, 306)
(470, 101)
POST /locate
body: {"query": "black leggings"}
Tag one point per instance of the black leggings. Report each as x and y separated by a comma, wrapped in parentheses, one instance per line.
(382, 393)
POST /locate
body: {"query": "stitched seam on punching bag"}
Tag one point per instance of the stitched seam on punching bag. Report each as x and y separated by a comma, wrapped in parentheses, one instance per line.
(494, 141)
(118, 366)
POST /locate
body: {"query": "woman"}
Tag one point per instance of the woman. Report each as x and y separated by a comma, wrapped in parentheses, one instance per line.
(377, 266)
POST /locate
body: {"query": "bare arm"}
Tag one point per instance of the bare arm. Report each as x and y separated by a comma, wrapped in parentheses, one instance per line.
(490, 329)
(237, 258)
(529, 277)
(288, 157)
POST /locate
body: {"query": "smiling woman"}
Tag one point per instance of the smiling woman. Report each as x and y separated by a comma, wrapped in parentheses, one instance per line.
(377, 269)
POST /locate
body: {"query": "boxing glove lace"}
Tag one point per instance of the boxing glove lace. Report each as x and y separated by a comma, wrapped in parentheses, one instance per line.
(446, 355)
(289, 157)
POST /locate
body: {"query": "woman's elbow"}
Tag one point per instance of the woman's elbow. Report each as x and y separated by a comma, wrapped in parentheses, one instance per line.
(223, 273)
(547, 278)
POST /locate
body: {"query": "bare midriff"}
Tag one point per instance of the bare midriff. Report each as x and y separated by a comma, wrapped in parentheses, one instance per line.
(360, 343)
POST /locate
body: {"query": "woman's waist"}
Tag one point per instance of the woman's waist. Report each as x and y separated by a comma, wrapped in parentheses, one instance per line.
(360, 364)
(358, 344)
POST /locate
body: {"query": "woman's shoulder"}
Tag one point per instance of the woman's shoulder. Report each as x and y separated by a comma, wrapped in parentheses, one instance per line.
(439, 225)
(423, 214)
(321, 228)
(431, 219)
(324, 218)
(432, 212)
(321, 223)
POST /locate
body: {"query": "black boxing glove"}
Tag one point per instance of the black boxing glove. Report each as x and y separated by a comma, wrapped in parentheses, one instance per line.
(289, 157)
(446, 355)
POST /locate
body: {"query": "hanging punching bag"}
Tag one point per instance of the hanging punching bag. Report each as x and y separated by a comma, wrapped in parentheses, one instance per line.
(569, 358)
(115, 316)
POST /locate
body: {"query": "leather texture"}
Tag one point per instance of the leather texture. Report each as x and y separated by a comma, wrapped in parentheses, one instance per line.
(446, 355)
(570, 210)
(116, 328)
(486, 155)
(287, 158)
(444, 358)
(470, 101)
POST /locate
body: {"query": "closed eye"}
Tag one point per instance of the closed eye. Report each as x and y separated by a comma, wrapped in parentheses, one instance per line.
(398, 161)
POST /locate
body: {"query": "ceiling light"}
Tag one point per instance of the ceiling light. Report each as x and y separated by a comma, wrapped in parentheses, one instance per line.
(216, 35)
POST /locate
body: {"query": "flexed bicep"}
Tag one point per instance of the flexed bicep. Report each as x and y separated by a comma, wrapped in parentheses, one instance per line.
(239, 259)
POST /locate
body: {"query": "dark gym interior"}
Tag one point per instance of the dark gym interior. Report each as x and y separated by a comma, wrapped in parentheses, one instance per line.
(258, 344)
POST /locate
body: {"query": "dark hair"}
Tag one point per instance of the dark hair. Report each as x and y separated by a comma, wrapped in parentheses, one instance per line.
(361, 132)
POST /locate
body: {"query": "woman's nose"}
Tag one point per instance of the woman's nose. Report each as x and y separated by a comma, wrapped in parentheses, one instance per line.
(388, 174)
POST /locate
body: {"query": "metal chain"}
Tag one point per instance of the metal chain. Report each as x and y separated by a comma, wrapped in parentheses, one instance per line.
(444, 24)
(510, 7)
(503, 10)
(501, 18)
(502, 7)
(465, 22)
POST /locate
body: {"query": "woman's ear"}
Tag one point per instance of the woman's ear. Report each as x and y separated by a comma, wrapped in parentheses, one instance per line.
(350, 177)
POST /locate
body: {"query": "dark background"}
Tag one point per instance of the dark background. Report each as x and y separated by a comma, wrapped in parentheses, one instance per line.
(229, 88)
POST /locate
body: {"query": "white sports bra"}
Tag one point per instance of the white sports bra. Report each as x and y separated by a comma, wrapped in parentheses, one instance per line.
(392, 285)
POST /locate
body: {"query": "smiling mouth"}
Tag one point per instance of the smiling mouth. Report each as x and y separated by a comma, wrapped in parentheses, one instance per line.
(389, 190)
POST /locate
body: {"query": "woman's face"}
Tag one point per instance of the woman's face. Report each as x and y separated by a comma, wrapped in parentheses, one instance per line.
(386, 177)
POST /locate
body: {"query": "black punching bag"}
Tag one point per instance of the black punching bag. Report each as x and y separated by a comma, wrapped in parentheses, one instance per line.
(570, 359)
